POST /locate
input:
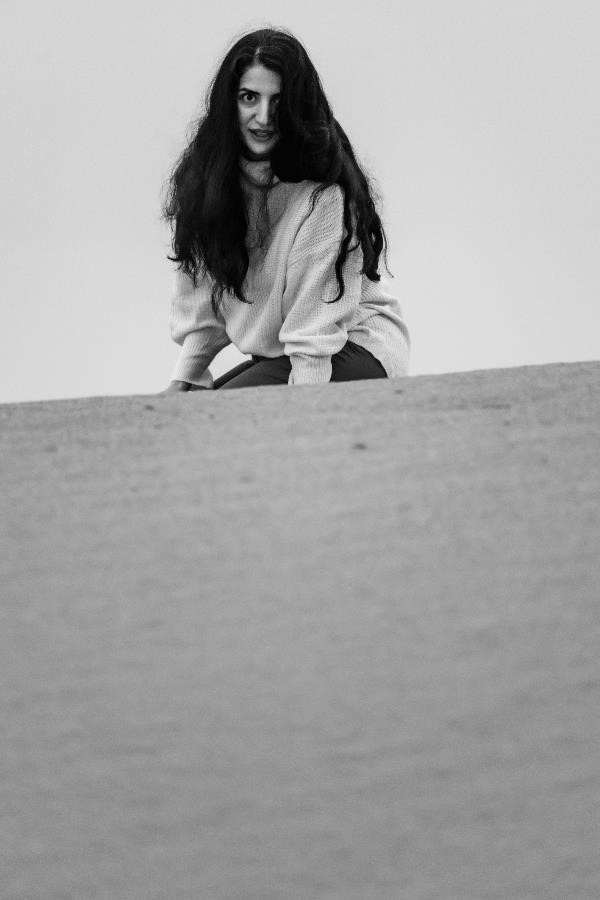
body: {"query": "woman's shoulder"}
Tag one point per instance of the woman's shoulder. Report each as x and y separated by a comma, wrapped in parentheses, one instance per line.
(307, 195)
(307, 186)
(327, 191)
(301, 205)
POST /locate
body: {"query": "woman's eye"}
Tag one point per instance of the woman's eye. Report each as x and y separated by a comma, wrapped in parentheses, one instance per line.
(248, 98)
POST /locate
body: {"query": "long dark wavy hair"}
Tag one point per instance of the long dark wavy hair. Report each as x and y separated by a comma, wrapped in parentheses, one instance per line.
(205, 203)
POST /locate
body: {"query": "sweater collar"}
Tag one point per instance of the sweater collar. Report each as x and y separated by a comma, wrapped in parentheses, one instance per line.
(258, 172)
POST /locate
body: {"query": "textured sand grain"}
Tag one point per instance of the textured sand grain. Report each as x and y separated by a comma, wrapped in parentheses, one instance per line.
(335, 642)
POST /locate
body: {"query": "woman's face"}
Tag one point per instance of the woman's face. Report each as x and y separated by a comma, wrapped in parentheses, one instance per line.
(257, 99)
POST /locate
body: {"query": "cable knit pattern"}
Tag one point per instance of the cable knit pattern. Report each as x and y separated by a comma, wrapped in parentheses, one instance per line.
(292, 255)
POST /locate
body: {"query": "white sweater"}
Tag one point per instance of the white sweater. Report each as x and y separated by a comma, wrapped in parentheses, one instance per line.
(287, 282)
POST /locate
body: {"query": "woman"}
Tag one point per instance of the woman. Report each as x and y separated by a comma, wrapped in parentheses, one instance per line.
(276, 235)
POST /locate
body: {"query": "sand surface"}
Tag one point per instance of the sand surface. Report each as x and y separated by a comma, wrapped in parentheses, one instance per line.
(335, 642)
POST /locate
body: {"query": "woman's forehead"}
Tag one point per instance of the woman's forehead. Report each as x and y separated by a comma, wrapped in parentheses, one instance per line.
(258, 78)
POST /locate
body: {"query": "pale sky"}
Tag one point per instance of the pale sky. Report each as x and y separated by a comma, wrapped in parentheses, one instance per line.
(477, 120)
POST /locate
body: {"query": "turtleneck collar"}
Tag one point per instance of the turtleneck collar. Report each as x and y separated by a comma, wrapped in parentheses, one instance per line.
(258, 172)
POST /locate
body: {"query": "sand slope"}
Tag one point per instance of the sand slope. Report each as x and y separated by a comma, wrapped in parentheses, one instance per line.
(338, 641)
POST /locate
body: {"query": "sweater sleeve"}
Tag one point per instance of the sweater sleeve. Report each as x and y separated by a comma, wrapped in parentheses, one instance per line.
(314, 330)
(195, 328)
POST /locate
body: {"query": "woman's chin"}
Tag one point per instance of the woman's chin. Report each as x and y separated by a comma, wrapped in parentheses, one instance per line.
(256, 154)
(260, 148)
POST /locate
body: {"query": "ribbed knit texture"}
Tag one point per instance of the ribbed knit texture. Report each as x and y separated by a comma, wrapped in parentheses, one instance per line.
(291, 273)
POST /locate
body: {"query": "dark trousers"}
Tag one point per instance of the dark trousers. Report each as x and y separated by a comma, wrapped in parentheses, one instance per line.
(352, 363)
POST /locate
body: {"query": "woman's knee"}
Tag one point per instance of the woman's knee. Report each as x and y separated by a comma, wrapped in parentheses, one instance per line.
(355, 363)
(267, 371)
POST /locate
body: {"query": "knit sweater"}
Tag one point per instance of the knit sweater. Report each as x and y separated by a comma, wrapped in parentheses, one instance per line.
(292, 253)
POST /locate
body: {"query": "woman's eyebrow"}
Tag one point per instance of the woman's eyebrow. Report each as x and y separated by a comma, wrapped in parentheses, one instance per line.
(245, 90)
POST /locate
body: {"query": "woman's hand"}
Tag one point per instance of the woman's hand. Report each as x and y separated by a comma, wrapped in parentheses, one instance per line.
(179, 387)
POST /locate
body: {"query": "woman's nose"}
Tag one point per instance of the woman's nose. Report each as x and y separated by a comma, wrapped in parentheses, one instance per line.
(263, 114)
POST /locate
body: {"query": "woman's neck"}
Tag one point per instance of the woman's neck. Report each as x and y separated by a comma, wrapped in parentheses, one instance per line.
(258, 171)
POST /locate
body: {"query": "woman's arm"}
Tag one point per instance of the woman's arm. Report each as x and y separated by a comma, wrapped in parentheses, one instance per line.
(195, 327)
(314, 330)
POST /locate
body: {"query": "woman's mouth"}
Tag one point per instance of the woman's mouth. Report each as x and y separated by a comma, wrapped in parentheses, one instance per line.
(262, 135)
